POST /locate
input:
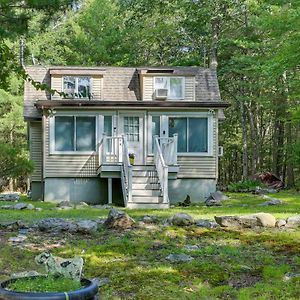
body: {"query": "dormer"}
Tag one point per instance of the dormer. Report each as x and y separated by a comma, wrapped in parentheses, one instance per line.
(160, 84)
(77, 83)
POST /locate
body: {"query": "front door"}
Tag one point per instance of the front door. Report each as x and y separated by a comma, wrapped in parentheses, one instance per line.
(132, 127)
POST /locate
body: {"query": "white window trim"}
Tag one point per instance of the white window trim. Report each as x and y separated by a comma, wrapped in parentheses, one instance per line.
(52, 135)
(76, 85)
(164, 126)
(168, 85)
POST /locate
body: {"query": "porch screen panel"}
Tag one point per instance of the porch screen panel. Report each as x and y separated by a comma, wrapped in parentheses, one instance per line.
(85, 133)
(64, 133)
(179, 126)
(198, 135)
(108, 131)
(155, 128)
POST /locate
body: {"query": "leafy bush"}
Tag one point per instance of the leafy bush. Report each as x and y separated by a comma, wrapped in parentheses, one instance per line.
(247, 185)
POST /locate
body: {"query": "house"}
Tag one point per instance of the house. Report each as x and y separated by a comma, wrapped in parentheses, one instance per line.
(83, 142)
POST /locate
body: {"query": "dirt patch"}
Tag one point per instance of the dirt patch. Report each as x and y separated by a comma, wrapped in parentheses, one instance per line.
(244, 280)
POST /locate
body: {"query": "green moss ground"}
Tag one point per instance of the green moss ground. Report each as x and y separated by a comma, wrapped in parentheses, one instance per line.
(229, 264)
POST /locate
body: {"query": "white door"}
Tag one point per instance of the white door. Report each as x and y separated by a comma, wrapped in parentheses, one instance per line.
(132, 127)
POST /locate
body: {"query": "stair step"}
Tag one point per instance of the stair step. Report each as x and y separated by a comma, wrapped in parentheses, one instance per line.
(147, 199)
(132, 205)
(143, 168)
(150, 193)
(144, 173)
(146, 186)
(145, 180)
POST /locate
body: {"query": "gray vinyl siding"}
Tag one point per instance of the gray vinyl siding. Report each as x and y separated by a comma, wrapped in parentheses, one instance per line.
(148, 88)
(35, 147)
(63, 165)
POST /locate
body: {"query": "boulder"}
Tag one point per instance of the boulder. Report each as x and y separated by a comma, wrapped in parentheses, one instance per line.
(12, 225)
(7, 207)
(219, 196)
(237, 221)
(17, 239)
(101, 281)
(10, 197)
(280, 223)
(56, 224)
(150, 219)
(265, 219)
(64, 204)
(271, 201)
(207, 224)
(182, 219)
(177, 258)
(68, 268)
(20, 206)
(30, 206)
(213, 202)
(118, 220)
(191, 247)
(293, 221)
(25, 274)
(87, 226)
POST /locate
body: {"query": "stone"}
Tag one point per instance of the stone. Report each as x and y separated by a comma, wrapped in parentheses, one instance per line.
(25, 274)
(87, 226)
(17, 239)
(82, 205)
(265, 219)
(280, 223)
(289, 276)
(56, 224)
(177, 258)
(207, 224)
(213, 202)
(247, 221)
(10, 197)
(182, 219)
(64, 208)
(30, 206)
(219, 196)
(271, 201)
(38, 209)
(101, 281)
(68, 268)
(118, 220)
(7, 207)
(64, 203)
(20, 206)
(293, 221)
(13, 225)
(150, 220)
(191, 247)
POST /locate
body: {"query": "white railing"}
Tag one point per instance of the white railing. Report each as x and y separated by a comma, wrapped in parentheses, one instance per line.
(110, 150)
(126, 171)
(162, 169)
(168, 147)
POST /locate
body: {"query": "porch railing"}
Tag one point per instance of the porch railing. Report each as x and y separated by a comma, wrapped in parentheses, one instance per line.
(126, 172)
(162, 169)
(168, 147)
(110, 150)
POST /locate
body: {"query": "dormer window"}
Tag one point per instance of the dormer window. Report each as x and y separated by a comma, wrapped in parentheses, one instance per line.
(77, 86)
(171, 87)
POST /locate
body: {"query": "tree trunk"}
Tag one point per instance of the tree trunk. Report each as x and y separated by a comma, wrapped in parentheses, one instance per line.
(289, 165)
(244, 138)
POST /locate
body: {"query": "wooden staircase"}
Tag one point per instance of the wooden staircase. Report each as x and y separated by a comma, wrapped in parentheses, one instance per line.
(146, 188)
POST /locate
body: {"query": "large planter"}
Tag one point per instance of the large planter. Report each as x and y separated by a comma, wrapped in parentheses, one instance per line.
(87, 292)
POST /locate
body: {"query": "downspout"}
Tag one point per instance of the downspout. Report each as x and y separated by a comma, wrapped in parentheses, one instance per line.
(43, 155)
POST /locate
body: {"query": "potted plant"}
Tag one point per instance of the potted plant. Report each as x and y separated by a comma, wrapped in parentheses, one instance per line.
(31, 287)
(131, 158)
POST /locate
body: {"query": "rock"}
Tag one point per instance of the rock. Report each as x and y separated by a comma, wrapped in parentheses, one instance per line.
(101, 281)
(280, 223)
(56, 224)
(293, 221)
(10, 197)
(271, 201)
(17, 239)
(7, 207)
(20, 206)
(191, 247)
(237, 221)
(207, 224)
(82, 205)
(213, 202)
(13, 225)
(64, 208)
(30, 206)
(289, 276)
(177, 258)
(87, 226)
(25, 274)
(219, 196)
(265, 220)
(182, 219)
(68, 268)
(118, 220)
(64, 204)
(150, 220)
(38, 209)
(186, 202)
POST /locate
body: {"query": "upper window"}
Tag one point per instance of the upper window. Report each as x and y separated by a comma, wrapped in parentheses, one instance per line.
(77, 86)
(192, 134)
(74, 133)
(174, 86)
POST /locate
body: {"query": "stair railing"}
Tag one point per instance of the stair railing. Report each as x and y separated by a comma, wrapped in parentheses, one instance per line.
(126, 172)
(162, 169)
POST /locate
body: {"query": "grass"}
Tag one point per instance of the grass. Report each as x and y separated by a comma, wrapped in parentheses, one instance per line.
(229, 264)
(44, 284)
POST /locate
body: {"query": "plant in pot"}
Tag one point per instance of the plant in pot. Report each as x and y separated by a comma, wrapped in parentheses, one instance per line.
(131, 158)
(62, 281)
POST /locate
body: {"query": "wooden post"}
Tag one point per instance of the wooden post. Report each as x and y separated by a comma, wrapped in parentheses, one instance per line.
(109, 191)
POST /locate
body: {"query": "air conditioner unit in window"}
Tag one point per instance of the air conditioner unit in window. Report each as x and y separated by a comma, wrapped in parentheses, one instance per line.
(161, 94)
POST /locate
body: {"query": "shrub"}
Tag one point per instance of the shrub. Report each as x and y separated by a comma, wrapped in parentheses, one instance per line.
(246, 185)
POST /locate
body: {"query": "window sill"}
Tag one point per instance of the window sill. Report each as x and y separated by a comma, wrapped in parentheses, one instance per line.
(88, 153)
